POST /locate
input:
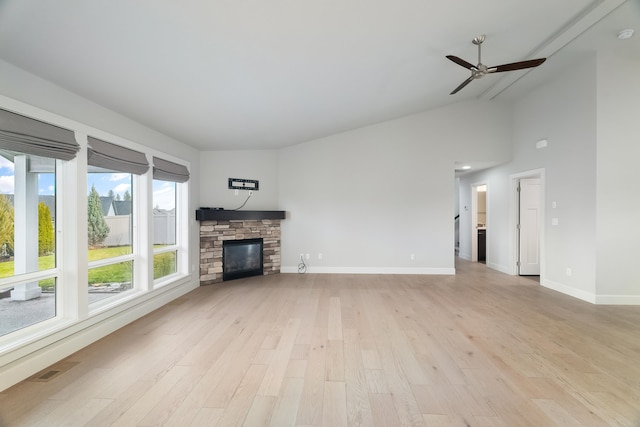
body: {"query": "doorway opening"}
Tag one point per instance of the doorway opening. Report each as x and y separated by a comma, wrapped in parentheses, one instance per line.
(479, 214)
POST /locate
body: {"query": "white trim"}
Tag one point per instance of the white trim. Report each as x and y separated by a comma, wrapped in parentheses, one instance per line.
(464, 255)
(372, 270)
(568, 290)
(501, 268)
(31, 358)
(618, 299)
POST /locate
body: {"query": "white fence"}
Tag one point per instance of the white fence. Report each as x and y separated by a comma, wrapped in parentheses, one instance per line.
(164, 229)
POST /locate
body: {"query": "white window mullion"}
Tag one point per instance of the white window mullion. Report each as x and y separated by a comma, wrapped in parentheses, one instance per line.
(143, 232)
(183, 220)
(71, 234)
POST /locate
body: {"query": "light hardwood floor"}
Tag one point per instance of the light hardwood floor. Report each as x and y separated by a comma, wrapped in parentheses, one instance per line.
(477, 349)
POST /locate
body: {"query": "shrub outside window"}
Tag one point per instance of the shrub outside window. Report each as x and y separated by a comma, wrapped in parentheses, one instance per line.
(27, 240)
(109, 233)
(110, 213)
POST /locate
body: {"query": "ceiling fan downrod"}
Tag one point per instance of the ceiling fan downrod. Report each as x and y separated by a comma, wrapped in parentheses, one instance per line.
(480, 69)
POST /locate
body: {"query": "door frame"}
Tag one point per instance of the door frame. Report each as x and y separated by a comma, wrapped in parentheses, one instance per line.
(474, 217)
(514, 212)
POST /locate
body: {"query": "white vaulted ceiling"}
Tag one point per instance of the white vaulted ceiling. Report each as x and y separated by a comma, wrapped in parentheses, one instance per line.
(263, 74)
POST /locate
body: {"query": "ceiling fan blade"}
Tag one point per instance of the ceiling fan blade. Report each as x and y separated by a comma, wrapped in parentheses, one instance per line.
(461, 62)
(517, 65)
(463, 84)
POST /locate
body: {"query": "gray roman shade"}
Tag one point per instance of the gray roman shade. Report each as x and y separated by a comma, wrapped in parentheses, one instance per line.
(29, 136)
(115, 157)
(165, 170)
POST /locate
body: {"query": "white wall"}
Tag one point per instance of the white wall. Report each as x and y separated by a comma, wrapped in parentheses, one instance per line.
(562, 111)
(27, 94)
(29, 89)
(588, 114)
(219, 166)
(369, 198)
(618, 212)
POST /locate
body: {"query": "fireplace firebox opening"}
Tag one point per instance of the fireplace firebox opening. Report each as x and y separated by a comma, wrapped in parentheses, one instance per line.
(242, 258)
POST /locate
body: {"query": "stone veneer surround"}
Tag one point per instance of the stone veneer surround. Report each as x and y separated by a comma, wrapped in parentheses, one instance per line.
(213, 233)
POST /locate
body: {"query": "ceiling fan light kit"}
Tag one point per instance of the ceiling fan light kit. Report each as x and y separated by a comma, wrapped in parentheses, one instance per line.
(481, 70)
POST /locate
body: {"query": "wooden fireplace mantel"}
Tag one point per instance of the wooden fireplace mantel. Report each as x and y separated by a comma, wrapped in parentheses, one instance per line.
(224, 215)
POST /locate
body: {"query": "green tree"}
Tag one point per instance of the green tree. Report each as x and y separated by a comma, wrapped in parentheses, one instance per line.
(127, 196)
(111, 194)
(98, 228)
(6, 223)
(46, 240)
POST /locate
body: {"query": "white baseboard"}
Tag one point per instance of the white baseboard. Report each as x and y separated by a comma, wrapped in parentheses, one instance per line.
(37, 356)
(618, 299)
(500, 268)
(568, 290)
(371, 270)
(593, 298)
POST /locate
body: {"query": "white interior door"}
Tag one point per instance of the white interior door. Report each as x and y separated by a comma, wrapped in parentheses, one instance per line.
(529, 226)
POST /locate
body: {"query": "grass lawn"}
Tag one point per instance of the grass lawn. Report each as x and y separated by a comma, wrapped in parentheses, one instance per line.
(163, 264)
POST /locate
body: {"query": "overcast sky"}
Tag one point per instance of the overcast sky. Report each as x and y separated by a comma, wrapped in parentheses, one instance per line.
(163, 194)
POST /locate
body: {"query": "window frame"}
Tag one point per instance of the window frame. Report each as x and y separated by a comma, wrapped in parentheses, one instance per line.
(37, 329)
(181, 247)
(73, 313)
(136, 257)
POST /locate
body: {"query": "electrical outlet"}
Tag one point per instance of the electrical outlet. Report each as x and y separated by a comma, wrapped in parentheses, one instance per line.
(568, 271)
(413, 257)
(308, 256)
(320, 255)
(236, 192)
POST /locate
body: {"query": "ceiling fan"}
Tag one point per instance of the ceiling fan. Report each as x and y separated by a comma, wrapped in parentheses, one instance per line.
(481, 70)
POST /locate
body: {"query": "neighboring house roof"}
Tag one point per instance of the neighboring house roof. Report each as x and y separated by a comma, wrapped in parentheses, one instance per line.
(106, 203)
(112, 207)
(122, 207)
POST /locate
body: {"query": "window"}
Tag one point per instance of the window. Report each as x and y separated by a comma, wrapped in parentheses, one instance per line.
(30, 154)
(110, 213)
(109, 233)
(128, 228)
(166, 236)
(27, 240)
(164, 229)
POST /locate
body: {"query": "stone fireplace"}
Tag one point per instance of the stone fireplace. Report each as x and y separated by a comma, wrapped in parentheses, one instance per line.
(213, 233)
